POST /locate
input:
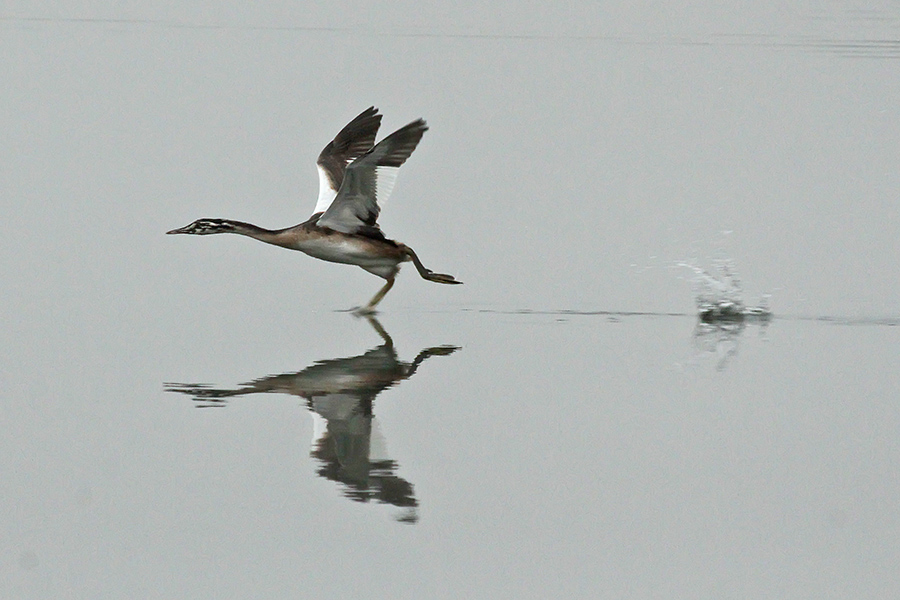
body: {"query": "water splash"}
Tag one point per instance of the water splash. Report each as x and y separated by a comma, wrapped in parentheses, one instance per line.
(723, 313)
(719, 295)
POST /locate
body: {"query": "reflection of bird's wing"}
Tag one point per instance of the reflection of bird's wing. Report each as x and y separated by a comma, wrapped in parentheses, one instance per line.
(368, 182)
(354, 140)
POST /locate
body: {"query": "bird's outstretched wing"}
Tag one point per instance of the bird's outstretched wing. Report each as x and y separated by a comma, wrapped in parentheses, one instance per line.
(368, 182)
(354, 140)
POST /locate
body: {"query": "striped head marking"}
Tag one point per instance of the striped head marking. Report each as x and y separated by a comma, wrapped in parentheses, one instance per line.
(206, 227)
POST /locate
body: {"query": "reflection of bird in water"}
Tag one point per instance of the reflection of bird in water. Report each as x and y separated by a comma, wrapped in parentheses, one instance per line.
(355, 180)
(346, 439)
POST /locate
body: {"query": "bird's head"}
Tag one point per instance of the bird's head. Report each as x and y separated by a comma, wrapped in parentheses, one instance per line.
(206, 227)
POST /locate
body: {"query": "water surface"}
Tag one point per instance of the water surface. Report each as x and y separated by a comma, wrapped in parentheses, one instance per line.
(191, 417)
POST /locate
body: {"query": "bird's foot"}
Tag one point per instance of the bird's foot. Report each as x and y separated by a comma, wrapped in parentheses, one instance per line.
(441, 278)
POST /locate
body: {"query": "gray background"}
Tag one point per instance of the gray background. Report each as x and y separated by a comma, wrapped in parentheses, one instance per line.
(576, 158)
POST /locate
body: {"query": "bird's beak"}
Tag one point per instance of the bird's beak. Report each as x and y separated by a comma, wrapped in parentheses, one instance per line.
(179, 230)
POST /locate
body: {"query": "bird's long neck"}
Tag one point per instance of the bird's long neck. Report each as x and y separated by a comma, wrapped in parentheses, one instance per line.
(278, 237)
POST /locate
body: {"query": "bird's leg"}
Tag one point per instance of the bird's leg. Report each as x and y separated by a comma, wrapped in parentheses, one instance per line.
(369, 308)
(428, 273)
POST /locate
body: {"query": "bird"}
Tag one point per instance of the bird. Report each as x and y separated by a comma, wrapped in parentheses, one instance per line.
(356, 177)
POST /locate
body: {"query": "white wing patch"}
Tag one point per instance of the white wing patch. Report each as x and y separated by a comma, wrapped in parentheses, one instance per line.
(326, 193)
(385, 178)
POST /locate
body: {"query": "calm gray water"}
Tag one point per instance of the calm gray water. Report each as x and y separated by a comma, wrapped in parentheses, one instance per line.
(191, 418)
